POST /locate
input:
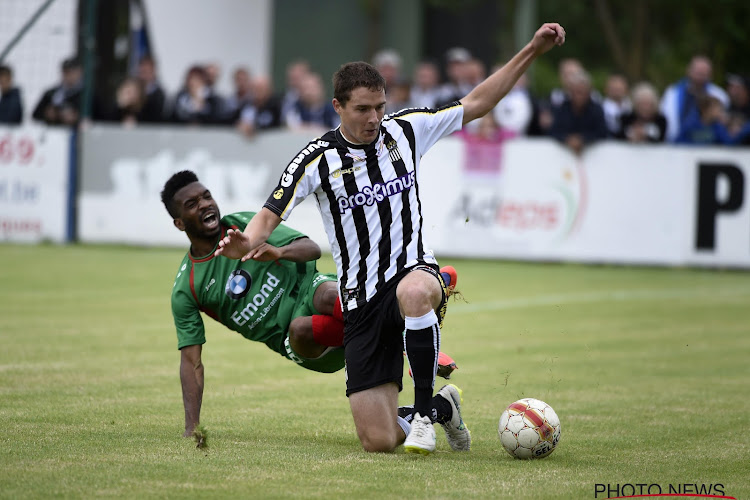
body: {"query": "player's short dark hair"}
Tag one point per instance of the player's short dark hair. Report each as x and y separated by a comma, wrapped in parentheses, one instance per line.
(174, 184)
(354, 75)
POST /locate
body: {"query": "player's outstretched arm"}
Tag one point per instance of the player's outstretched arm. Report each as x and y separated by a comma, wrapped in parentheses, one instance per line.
(242, 244)
(300, 250)
(487, 94)
(191, 377)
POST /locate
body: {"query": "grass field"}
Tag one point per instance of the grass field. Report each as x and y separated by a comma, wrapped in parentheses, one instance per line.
(648, 369)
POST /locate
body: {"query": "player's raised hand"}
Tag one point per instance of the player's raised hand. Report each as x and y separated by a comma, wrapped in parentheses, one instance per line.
(546, 37)
(235, 245)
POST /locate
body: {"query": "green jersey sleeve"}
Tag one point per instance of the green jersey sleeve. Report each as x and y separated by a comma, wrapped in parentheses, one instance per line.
(185, 311)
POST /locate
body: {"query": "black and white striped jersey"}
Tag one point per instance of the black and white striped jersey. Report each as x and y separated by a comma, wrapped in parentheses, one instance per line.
(368, 196)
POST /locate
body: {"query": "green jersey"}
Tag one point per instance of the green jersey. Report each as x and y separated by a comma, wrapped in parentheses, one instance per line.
(255, 299)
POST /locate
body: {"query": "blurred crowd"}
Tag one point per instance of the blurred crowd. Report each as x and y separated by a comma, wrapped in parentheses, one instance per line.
(693, 110)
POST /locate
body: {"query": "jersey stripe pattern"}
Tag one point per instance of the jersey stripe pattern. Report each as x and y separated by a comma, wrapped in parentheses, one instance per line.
(368, 196)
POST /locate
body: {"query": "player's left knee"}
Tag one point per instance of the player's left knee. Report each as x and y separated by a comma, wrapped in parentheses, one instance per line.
(419, 294)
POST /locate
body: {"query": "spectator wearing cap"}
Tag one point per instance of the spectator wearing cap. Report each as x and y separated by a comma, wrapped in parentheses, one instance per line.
(679, 104)
(11, 105)
(61, 105)
(459, 71)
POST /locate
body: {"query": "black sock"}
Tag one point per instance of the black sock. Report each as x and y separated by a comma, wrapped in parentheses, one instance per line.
(442, 409)
(422, 344)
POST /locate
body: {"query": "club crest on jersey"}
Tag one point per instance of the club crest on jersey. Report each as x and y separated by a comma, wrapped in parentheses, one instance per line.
(393, 151)
(238, 284)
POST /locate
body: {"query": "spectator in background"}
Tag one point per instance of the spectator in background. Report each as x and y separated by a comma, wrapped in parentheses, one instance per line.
(313, 109)
(128, 105)
(154, 100)
(11, 105)
(459, 72)
(616, 102)
(738, 90)
(388, 63)
(399, 97)
(566, 69)
(515, 111)
(195, 103)
(296, 72)
(578, 121)
(679, 104)
(263, 112)
(425, 91)
(710, 125)
(644, 123)
(241, 97)
(61, 105)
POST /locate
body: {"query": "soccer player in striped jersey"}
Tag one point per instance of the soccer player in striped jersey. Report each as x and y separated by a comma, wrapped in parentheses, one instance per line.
(279, 299)
(364, 176)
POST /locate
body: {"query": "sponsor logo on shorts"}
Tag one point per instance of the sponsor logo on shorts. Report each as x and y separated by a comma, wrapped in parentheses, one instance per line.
(278, 193)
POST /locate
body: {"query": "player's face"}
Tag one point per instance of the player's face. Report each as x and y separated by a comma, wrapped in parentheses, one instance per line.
(362, 114)
(199, 213)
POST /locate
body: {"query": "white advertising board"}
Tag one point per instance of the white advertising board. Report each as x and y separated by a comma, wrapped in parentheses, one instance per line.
(520, 199)
(34, 184)
(616, 203)
(123, 172)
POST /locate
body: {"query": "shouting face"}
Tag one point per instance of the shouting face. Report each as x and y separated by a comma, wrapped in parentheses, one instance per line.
(199, 213)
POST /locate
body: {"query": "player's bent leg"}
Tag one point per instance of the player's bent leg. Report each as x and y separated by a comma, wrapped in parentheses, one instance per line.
(375, 415)
(325, 297)
(301, 338)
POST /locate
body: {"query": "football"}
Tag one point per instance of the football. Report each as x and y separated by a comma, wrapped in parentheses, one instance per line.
(529, 428)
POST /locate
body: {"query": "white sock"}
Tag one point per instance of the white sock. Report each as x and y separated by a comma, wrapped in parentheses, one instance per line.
(405, 426)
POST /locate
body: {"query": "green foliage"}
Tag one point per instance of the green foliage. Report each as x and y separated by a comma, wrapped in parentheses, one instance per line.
(647, 369)
(674, 31)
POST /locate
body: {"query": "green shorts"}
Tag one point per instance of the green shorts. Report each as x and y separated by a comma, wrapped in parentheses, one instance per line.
(331, 360)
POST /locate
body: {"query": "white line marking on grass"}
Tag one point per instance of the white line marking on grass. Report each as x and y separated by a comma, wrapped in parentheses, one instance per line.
(603, 296)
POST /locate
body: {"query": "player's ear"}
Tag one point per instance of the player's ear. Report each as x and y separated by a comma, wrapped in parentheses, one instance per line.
(337, 107)
(179, 224)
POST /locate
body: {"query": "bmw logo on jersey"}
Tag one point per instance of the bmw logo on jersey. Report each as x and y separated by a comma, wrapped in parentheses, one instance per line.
(238, 284)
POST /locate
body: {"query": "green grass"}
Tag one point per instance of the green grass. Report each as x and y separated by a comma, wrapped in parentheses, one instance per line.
(648, 369)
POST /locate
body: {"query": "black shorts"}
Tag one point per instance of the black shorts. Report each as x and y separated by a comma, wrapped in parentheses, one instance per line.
(374, 341)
